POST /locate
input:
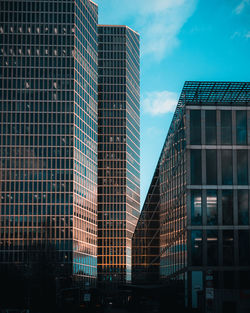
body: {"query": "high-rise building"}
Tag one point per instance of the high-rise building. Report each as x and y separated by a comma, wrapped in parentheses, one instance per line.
(48, 133)
(118, 150)
(204, 197)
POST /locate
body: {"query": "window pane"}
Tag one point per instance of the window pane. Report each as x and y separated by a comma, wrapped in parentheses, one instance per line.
(241, 127)
(227, 207)
(244, 255)
(212, 211)
(244, 279)
(243, 207)
(242, 167)
(210, 122)
(196, 167)
(229, 280)
(211, 167)
(195, 127)
(196, 213)
(196, 247)
(226, 127)
(227, 167)
(212, 247)
(228, 247)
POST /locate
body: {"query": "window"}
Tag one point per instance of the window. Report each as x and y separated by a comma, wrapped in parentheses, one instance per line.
(243, 214)
(227, 167)
(228, 247)
(196, 167)
(226, 127)
(212, 247)
(195, 127)
(241, 127)
(244, 249)
(196, 238)
(212, 209)
(210, 124)
(196, 211)
(211, 167)
(227, 207)
(242, 167)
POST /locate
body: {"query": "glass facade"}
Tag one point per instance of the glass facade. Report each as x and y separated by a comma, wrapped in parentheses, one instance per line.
(204, 193)
(217, 183)
(118, 150)
(146, 238)
(48, 133)
(173, 219)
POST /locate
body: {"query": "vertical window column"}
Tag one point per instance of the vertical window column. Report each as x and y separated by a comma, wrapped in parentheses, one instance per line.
(243, 207)
(210, 127)
(226, 127)
(195, 168)
(227, 167)
(195, 127)
(241, 127)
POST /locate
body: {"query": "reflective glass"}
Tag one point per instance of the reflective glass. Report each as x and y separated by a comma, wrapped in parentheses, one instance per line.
(227, 207)
(227, 167)
(243, 204)
(212, 247)
(196, 237)
(241, 127)
(212, 207)
(211, 167)
(226, 127)
(228, 247)
(195, 127)
(196, 211)
(211, 127)
(195, 167)
(242, 167)
(244, 248)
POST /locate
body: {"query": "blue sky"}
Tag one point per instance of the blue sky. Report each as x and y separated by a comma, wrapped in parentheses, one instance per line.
(180, 40)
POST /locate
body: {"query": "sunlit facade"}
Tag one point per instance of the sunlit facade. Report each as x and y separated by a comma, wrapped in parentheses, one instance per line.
(48, 133)
(118, 150)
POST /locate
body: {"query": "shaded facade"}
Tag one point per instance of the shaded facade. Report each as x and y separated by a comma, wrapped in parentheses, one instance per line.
(118, 150)
(204, 197)
(48, 134)
(146, 238)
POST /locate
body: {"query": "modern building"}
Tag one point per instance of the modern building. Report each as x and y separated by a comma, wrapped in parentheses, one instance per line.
(48, 134)
(204, 197)
(118, 150)
(146, 238)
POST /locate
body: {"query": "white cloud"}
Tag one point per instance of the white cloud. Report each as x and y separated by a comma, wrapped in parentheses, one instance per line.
(159, 102)
(158, 21)
(244, 35)
(239, 9)
(247, 35)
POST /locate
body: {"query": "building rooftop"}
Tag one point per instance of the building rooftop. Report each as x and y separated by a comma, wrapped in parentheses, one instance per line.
(124, 26)
(222, 92)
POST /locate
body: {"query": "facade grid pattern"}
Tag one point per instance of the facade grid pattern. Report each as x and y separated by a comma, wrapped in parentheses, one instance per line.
(48, 133)
(146, 238)
(118, 150)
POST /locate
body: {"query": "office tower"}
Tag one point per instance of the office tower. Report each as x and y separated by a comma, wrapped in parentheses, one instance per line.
(146, 238)
(118, 150)
(204, 197)
(48, 133)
